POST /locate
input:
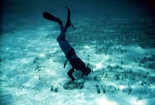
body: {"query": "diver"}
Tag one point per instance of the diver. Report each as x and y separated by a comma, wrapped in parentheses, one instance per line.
(75, 61)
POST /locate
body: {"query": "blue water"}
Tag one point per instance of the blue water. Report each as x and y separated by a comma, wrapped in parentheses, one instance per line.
(117, 39)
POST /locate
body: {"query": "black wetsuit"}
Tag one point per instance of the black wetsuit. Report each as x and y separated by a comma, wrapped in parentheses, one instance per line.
(76, 63)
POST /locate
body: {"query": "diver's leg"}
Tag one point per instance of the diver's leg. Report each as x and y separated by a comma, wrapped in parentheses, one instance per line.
(63, 43)
(62, 34)
(64, 46)
(68, 23)
(64, 29)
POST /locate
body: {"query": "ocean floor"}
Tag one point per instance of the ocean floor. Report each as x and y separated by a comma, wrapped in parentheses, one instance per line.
(120, 50)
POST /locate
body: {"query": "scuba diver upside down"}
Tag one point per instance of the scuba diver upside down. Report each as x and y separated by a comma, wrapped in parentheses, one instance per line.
(75, 61)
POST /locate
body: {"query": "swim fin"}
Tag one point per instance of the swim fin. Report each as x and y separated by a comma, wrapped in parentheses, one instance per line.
(68, 23)
(49, 16)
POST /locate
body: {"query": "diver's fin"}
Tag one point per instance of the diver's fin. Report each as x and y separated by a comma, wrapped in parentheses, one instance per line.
(68, 23)
(49, 16)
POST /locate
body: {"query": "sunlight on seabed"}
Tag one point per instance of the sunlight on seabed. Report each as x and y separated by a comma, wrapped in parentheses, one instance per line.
(122, 87)
(100, 64)
(41, 55)
(24, 61)
(138, 101)
(104, 101)
(86, 46)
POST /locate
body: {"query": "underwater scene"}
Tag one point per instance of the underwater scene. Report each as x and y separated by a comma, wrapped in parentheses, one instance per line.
(114, 38)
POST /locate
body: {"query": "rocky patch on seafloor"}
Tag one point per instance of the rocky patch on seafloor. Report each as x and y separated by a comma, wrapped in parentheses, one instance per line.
(73, 85)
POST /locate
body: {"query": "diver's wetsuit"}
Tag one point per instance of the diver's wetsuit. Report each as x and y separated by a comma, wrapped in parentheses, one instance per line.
(76, 62)
(69, 52)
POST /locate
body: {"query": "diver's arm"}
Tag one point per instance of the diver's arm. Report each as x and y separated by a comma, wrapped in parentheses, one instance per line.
(70, 73)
